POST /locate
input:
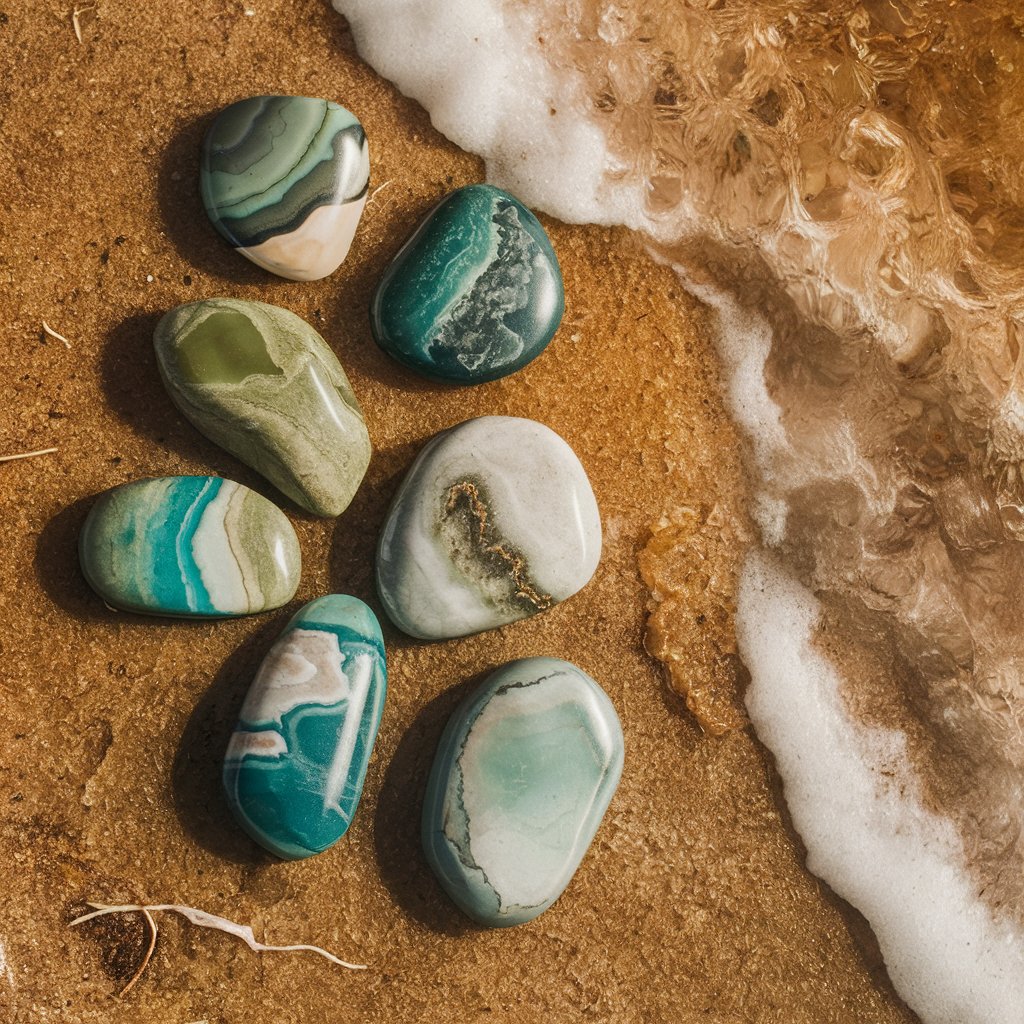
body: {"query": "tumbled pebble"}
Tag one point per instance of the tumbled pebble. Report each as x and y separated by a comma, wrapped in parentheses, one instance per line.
(474, 294)
(495, 521)
(194, 546)
(295, 765)
(284, 180)
(261, 383)
(523, 774)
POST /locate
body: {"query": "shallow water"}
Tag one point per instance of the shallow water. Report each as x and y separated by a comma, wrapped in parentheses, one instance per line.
(841, 183)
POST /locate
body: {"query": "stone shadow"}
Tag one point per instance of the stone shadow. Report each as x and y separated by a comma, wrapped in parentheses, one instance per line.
(57, 568)
(396, 827)
(199, 799)
(356, 531)
(184, 216)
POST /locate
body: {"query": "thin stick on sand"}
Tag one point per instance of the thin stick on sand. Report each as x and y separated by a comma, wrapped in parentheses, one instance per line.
(75, 15)
(146, 957)
(373, 194)
(55, 334)
(27, 455)
(204, 920)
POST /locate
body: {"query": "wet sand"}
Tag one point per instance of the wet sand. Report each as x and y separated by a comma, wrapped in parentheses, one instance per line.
(692, 904)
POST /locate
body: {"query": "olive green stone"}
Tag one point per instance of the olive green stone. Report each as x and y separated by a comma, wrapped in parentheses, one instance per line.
(261, 383)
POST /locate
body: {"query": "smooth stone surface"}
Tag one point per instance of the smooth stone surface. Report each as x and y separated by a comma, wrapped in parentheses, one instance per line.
(284, 180)
(261, 383)
(495, 521)
(522, 777)
(474, 294)
(193, 546)
(295, 764)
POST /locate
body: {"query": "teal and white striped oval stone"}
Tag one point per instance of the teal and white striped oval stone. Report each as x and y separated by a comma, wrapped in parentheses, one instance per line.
(193, 546)
(284, 180)
(523, 774)
(295, 765)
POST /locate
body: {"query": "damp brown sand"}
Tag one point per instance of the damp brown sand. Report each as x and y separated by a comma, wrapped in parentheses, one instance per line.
(693, 903)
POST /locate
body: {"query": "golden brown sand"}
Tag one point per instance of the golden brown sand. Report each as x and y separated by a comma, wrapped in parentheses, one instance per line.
(693, 904)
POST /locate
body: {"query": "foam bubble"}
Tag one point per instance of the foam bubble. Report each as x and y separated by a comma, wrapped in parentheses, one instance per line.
(467, 63)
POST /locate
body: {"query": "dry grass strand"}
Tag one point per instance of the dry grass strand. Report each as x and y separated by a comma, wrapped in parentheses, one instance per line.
(147, 956)
(47, 329)
(76, 23)
(27, 455)
(203, 920)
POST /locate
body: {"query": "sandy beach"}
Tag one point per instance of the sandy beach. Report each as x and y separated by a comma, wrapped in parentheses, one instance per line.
(692, 905)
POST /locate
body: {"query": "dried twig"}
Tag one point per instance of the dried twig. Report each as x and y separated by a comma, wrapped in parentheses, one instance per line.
(373, 194)
(148, 954)
(204, 920)
(27, 455)
(54, 334)
(76, 23)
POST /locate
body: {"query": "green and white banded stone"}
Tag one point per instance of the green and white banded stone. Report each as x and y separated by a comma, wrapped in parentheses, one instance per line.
(261, 383)
(190, 546)
(284, 180)
(524, 772)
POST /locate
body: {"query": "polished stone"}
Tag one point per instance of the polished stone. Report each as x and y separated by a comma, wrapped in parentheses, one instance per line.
(193, 546)
(261, 383)
(296, 762)
(284, 180)
(495, 521)
(474, 294)
(523, 774)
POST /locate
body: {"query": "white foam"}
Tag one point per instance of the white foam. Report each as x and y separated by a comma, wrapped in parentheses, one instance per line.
(5, 967)
(856, 806)
(467, 61)
(479, 69)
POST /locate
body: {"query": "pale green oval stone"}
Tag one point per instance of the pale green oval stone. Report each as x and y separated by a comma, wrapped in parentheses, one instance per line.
(522, 777)
(261, 383)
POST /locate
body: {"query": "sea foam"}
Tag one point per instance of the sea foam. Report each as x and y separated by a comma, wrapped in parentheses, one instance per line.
(858, 809)
(818, 228)
(467, 63)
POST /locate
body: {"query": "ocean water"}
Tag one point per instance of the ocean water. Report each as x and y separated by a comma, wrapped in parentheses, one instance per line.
(841, 183)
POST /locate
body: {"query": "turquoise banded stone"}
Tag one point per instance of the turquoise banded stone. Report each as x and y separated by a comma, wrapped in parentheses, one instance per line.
(474, 294)
(284, 180)
(523, 774)
(261, 383)
(193, 546)
(295, 765)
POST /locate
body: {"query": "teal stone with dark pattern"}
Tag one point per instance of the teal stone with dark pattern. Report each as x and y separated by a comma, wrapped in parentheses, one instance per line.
(284, 180)
(476, 292)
